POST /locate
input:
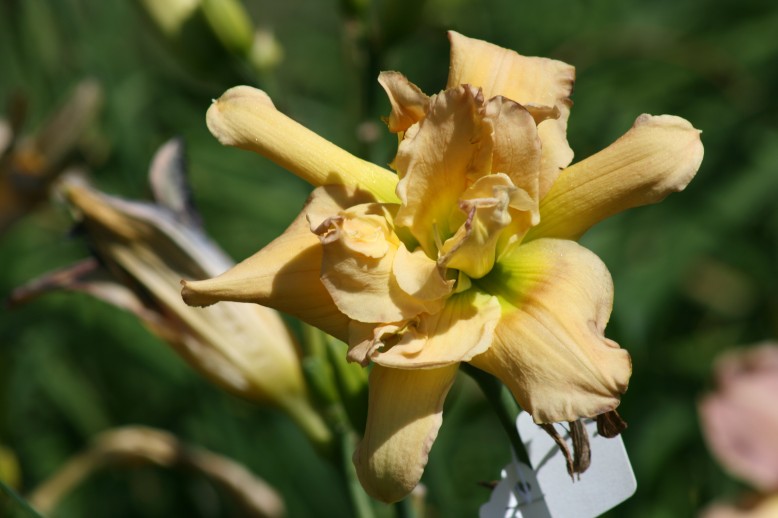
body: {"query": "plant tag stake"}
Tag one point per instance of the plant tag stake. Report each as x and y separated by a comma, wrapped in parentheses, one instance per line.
(548, 491)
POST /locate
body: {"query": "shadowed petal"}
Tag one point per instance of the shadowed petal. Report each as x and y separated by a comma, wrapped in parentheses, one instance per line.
(285, 274)
(438, 158)
(404, 414)
(526, 80)
(657, 156)
(246, 118)
(549, 347)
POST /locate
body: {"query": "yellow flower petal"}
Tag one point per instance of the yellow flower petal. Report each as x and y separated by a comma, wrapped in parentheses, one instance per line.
(246, 118)
(485, 212)
(409, 104)
(526, 80)
(549, 347)
(285, 274)
(463, 329)
(438, 158)
(657, 156)
(404, 414)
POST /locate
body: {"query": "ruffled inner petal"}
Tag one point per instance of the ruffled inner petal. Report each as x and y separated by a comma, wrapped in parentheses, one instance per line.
(549, 347)
(438, 159)
(420, 276)
(359, 250)
(526, 80)
(485, 207)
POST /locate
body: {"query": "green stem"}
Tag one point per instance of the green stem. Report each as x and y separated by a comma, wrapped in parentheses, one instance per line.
(504, 406)
(312, 424)
(360, 502)
(16, 501)
(405, 508)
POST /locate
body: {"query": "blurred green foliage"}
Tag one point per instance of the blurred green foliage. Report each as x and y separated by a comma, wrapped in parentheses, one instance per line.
(694, 276)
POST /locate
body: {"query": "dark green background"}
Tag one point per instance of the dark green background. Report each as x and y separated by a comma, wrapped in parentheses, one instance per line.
(694, 276)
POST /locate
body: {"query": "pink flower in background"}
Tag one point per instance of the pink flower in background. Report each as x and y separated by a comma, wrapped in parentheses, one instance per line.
(740, 419)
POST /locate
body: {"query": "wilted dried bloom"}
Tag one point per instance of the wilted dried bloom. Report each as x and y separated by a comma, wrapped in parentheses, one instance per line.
(467, 254)
(142, 252)
(29, 164)
(137, 445)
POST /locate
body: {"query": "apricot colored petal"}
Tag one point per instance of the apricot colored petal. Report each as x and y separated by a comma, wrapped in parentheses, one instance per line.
(404, 414)
(438, 158)
(657, 156)
(549, 347)
(409, 104)
(526, 80)
(285, 274)
(462, 329)
(245, 117)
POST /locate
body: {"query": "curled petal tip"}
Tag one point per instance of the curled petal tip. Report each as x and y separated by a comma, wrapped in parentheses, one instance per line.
(659, 155)
(196, 293)
(245, 117)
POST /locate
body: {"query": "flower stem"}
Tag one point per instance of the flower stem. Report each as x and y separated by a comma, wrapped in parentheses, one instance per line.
(360, 502)
(503, 404)
(311, 423)
(10, 500)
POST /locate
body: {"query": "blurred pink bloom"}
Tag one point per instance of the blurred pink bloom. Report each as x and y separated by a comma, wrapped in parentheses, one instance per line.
(767, 508)
(740, 419)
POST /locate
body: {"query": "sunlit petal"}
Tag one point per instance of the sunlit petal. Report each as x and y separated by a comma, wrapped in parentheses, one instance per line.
(404, 414)
(245, 117)
(549, 347)
(526, 80)
(657, 156)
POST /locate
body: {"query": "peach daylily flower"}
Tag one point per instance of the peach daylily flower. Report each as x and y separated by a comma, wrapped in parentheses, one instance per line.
(467, 254)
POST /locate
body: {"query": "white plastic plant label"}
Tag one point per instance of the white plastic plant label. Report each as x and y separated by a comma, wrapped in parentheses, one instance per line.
(548, 491)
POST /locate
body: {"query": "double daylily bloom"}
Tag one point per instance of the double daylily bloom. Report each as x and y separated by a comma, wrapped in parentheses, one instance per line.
(467, 254)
